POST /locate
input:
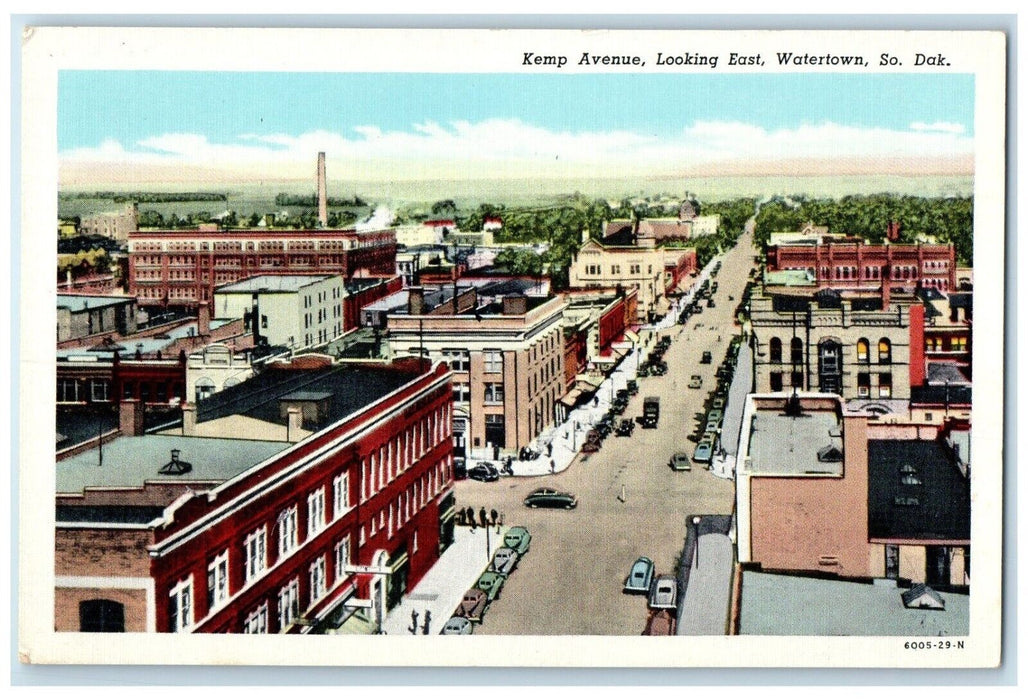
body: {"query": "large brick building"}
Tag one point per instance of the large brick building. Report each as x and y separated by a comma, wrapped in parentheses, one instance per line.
(865, 267)
(339, 502)
(181, 268)
(507, 358)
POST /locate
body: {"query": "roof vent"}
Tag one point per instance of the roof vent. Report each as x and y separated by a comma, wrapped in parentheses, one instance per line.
(829, 453)
(793, 408)
(175, 466)
(923, 597)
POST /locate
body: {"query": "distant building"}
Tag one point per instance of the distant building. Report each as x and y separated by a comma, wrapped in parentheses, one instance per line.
(858, 266)
(181, 268)
(295, 311)
(115, 225)
(339, 501)
(507, 358)
(818, 490)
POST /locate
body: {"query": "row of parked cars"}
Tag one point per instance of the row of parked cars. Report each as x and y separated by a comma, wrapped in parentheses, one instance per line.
(710, 424)
(473, 606)
(654, 366)
(611, 421)
(661, 592)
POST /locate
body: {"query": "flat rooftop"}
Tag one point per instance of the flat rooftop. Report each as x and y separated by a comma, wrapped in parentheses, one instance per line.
(782, 445)
(133, 461)
(76, 303)
(345, 388)
(774, 604)
(271, 284)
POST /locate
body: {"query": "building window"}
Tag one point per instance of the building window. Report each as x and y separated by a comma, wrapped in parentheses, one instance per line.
(318, 587)
(592, 269)
(458, 360)
(287, 536)
(495, 430)
(257, 621)
(255, 553)
(67, 390)
(863, 384)
(493, 392)
(101, 616)
(217, 581)
(340, 495)
(776, 381)
(342, 557)
(863, 350)
(796, 351)
(315, 512)
(615, 269)
(180, 606)
(775, 349)
(100, 389)
(958, 344)
(884, 352)
(493, 361)
(885, 385)
(288, 604)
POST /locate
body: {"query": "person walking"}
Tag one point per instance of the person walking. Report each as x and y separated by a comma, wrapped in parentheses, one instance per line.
(428, 622)
(553, 467)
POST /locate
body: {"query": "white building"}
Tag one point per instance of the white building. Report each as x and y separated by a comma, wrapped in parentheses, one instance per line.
(214, 368)
(297, 311)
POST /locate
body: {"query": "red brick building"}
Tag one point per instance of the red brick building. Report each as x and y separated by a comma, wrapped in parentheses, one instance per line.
(181, 268)
(260, 535)
(859, 266)
(363, 291)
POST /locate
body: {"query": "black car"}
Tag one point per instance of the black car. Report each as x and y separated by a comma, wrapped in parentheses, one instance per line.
(707, 358)
(460, 468)
(625, 427)
(549, 498)
(632, 387)
(484, 472)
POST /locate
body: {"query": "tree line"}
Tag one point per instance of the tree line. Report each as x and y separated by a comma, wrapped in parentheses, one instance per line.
(307, 219)
(151, 197)
(282, 199)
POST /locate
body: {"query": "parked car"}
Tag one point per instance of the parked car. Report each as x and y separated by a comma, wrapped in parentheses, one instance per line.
(473, 605)
(718, 403)
(549, 498)
(695, 382)
(660, 369)
(664, 593)
(707, 358)
(640, 576)
(712, 426)
(643, 371)
(715, 414)
(460, 469)
(504, 561)
(680, 462)
(483, 471)
(490, 583)
(703, 451)
(632, 387)
(661, 623)
(458, 625)
(625, 427)
(517, 538)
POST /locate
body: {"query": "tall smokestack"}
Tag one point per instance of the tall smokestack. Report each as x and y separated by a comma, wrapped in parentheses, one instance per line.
(322, 192)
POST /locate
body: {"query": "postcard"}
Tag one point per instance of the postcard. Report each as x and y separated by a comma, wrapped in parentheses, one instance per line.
(512, 347)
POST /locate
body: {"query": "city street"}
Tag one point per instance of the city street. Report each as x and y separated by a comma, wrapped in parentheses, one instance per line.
(630, 503)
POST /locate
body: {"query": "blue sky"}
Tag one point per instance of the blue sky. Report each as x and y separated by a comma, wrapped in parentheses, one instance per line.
(510, 121)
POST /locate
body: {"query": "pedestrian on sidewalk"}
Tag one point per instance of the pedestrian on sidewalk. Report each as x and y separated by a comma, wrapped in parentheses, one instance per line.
(549, 450)
(553, 467)
(481, 517)
(493, 515)
(413, 629)
(428, 621)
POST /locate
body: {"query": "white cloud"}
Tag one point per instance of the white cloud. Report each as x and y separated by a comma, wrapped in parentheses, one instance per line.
(943, 127)
(511, 148)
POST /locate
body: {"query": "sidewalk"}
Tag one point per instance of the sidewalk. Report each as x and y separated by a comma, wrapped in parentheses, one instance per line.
(444, 585)
(705, 611)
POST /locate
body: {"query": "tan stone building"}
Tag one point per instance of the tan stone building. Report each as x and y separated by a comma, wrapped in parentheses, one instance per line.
(854, 346)
(507, 359)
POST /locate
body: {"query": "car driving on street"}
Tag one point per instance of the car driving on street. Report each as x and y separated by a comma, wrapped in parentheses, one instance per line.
(549, 498)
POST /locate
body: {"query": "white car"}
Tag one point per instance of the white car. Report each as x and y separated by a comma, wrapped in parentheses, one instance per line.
(664, 593)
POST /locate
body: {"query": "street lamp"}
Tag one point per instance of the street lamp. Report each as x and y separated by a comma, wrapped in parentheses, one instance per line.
(696, 524)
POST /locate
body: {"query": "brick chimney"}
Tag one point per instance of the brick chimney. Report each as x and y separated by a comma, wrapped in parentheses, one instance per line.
(130, 417)
(322, 192)
(189, 419)
(886, 286)
(892, 231)
(515, 305)
(203, 319)
(416, 301)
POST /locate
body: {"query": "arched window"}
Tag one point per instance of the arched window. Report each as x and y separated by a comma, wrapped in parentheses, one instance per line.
(204, 388)
(101, 616)
(796, 351)
(775, 348)
(863, 350)
(884, 352)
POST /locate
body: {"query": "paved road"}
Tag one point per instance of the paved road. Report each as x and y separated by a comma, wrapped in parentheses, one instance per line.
(570, 582)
